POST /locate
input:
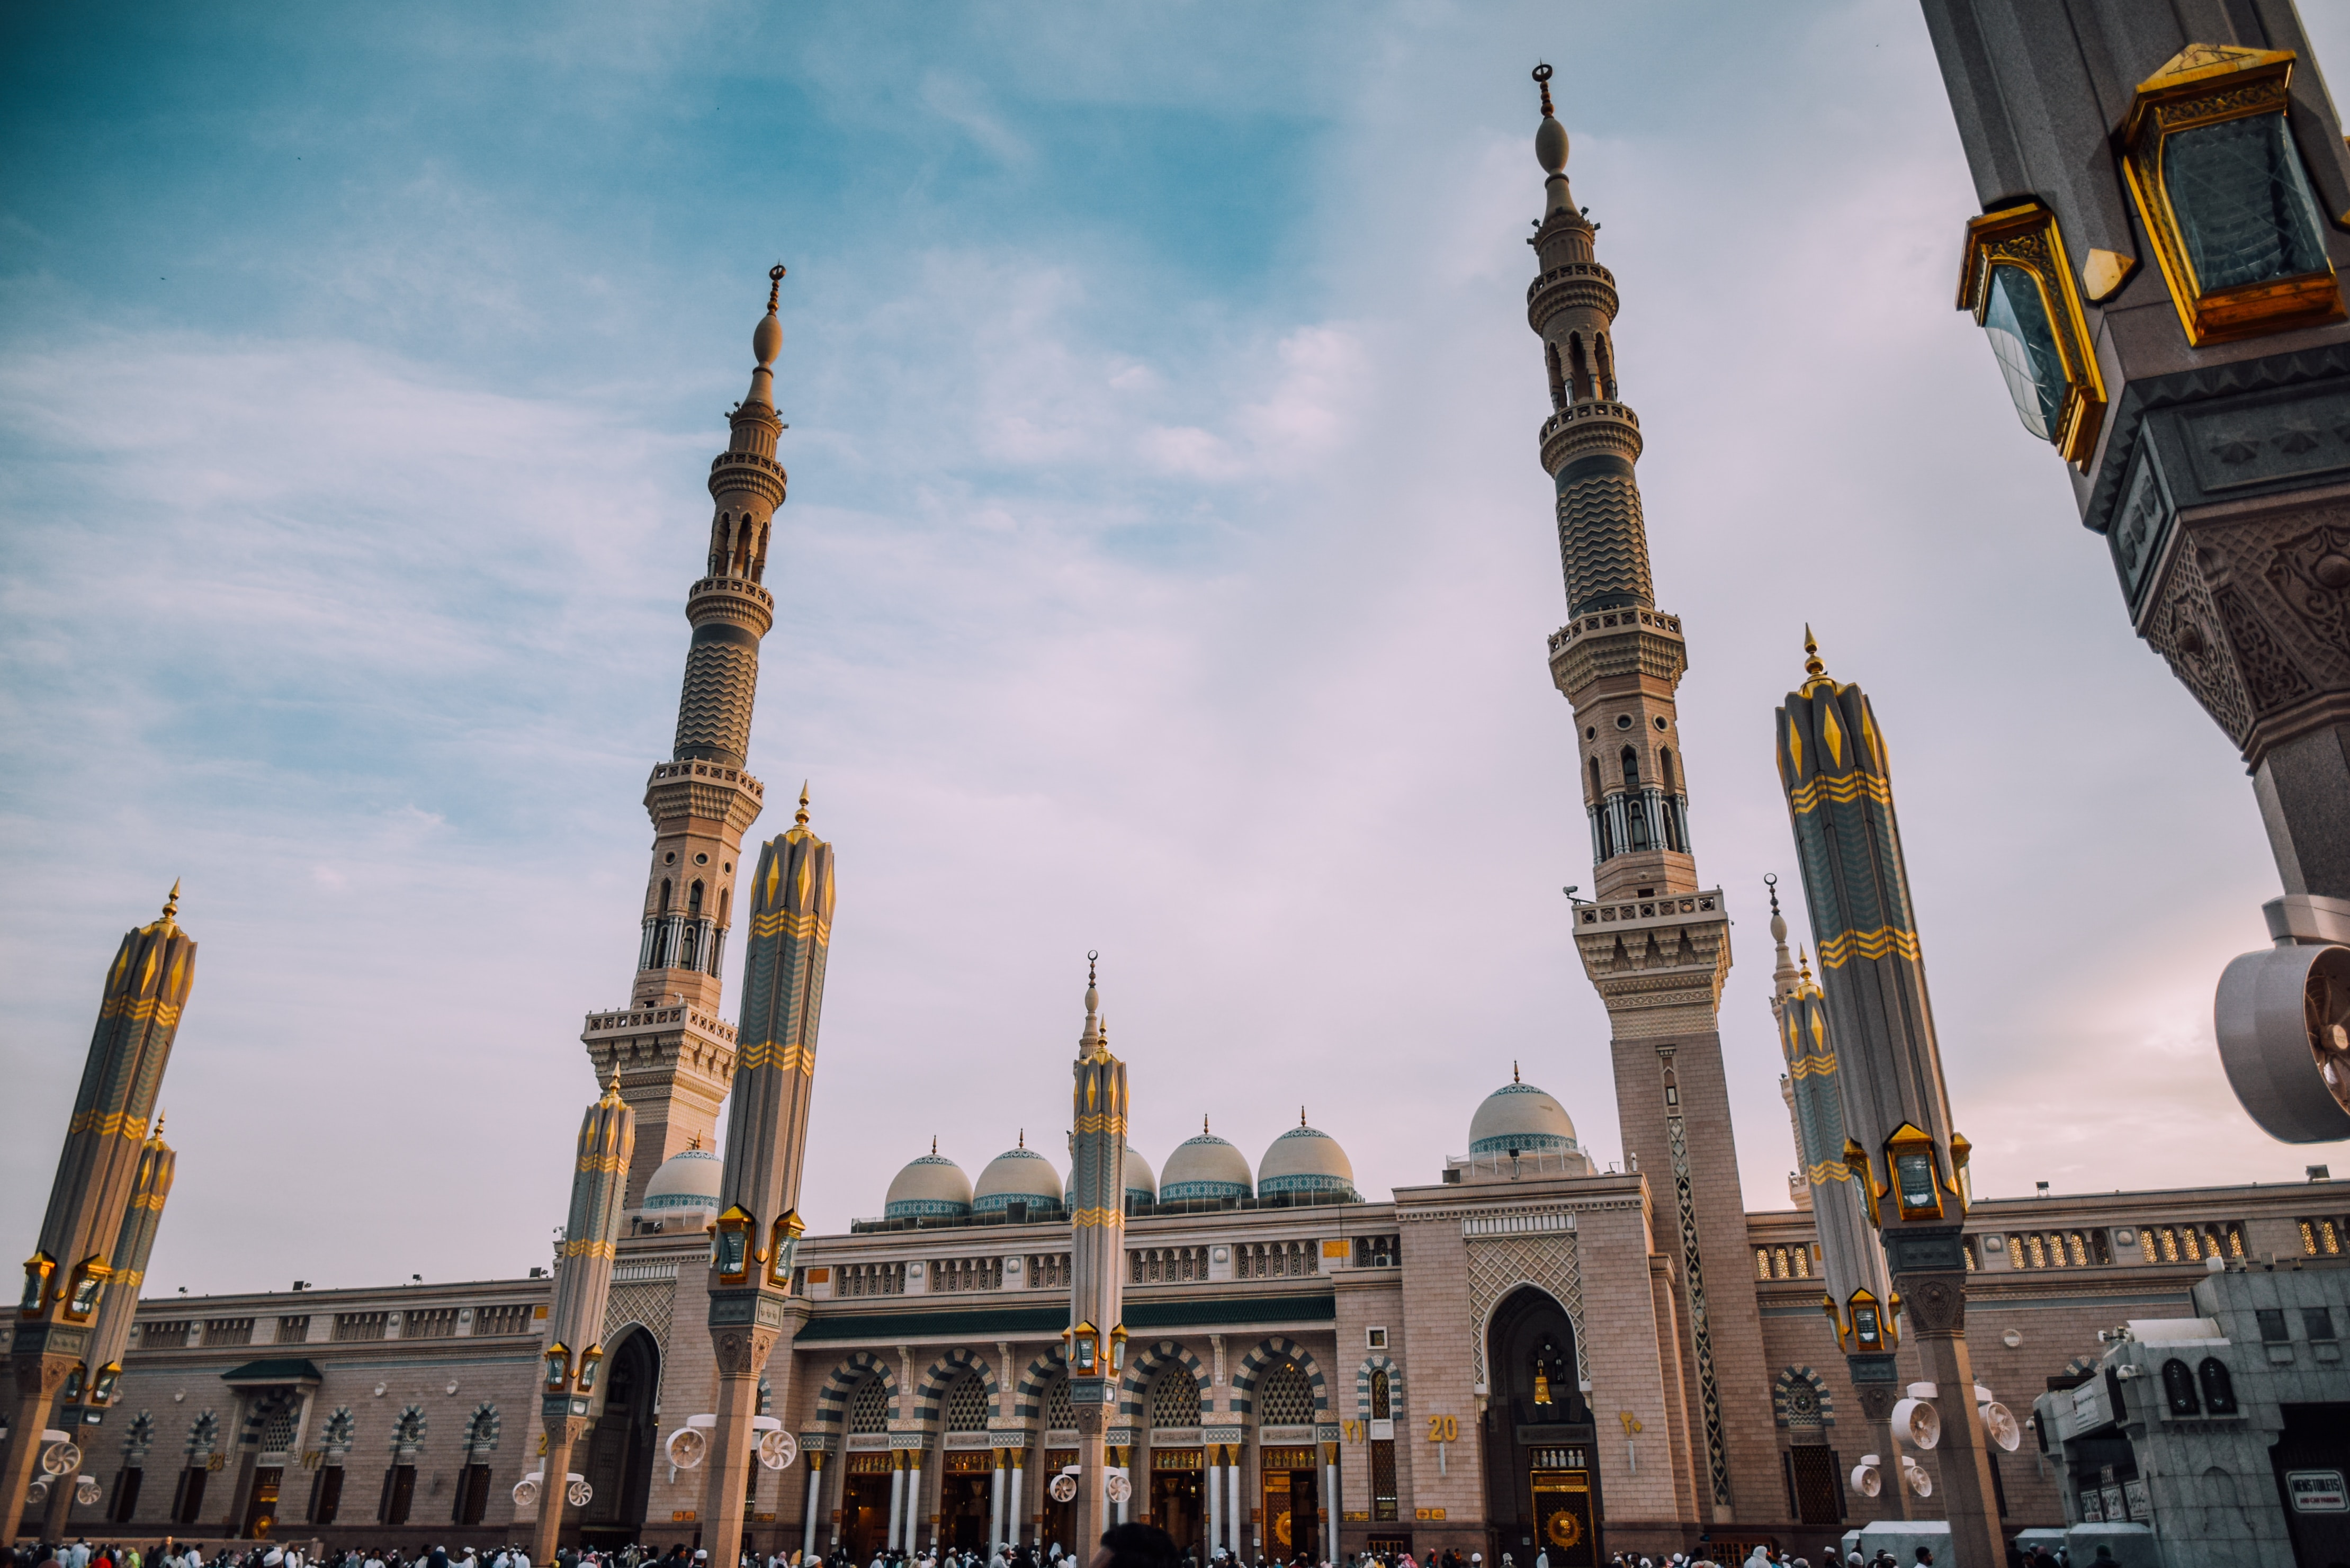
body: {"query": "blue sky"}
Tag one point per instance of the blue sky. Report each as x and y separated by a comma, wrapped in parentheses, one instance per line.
(1166, 571)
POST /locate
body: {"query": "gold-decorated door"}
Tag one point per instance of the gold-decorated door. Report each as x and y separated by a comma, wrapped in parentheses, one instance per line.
(1562, 1521)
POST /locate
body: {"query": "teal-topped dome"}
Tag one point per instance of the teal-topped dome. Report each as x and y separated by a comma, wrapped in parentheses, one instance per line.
(687, 1180)
(1017, 1176)
(931, 1188)
(1517, 1116)
(1205, 1167)
(1304, 1159)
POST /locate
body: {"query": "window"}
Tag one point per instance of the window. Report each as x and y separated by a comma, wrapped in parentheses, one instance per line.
(2317, 1323)
(188, 1501)
(399, 1495)
(2178, 1389)
(967, 1274)
(474, 1494)
(1162, 1265)
(351, 1325)
(1377, 1252)
(1046, 1269)
(1284, 1398)
(1383, 1470)
(869, 1408)
(870, 1280)
(2218, 1390)
(2192, 1243)
(2321, 1236)
(1783, 1262)
(1175, 1398)
(2212, 167)
(293, 1330)
(165, 1335)
(228, 1331)
(1060, 1415)
(326, 1494)
(1275, 1260)
(2273, 1326)
(126, 1494)
(966, 1405)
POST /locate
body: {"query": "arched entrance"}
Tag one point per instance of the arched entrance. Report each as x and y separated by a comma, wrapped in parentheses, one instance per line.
(1542, 1481)
(1288, 1471)
(619, 1460)
(864, 1522)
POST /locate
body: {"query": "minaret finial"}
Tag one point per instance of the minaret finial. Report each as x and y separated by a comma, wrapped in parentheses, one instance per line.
(1811, 665)
(774, 286)
(1301, 1116)
(171, 902)
(799, 818)
(1024, 1138)
(934, 1145)
(1204, 1124)
(159, 1122)
(1514, 1073)
(767, 338)
(1550, 136)
(612, 1089)
(1770, 880)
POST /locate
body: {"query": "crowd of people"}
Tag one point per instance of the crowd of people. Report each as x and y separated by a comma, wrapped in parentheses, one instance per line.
(1127, 1546)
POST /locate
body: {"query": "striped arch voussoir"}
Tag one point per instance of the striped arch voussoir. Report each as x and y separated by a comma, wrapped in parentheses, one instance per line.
(1140, 1369)
(1283, 1348)
(946, 1369)
(1029, 1401)
(1783, 1398)
(832, 1400)
(1363, 1385)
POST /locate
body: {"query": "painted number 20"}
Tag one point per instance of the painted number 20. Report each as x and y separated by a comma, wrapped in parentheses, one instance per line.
(1443, 1429)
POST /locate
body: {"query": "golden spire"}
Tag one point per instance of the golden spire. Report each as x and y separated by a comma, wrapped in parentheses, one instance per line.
(799, 818)
(172, 904)
(1803, 963)
(1542, 77)
(774, 286)
(612, 1089)
(1811, 665)
(1024, 1138)
(1301, 1116)
(694, 1141)
(1514, 1073)
(934, 1144)
(157, 1135)
(1203, 1126)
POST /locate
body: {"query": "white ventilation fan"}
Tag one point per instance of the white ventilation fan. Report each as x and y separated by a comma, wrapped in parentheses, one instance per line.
(1916, 1420)
(86, 1491)
(576, 1489)
(1919, 1481)
(778, 1448)
(1116, 1487)
(1999, 1424)
(1064, 1488)
(61, 1458)
(690, 1444)
(1866, 1479)
(579, 1494)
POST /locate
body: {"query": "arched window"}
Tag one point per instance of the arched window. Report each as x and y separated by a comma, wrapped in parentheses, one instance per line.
(2219, 1388)
(1175, 1398)
(1557, 386)
(1632, 768)
(1579, 366)
(2178, 1388)
(759, 560)
(1597, 788)
(1607, 358)
(725, 905)
(1380, 1410)
(1636, 806)
(869, 1408)
(693, 899)
(1672, 1089)
(667, 896)
(1665, 768)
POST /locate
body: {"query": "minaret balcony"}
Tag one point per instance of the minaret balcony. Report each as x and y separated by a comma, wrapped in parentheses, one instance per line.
(1577, 286)
(738, 600)
(1615, 643)
(705, 792)
(1595, 424)
(731, 471)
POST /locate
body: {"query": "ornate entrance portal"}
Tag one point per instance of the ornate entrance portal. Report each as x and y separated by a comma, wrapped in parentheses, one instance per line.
(1292, 1511)
(1542, 1488)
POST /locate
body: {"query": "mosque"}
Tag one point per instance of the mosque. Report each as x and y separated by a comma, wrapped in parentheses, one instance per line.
(1523, 1352)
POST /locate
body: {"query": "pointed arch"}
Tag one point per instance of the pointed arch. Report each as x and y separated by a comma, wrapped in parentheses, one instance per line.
(1605, 354)
(1800, 1400)
(1252, 1366)
(946, 1369)
(1578, 368)
(832, 1400)
(1557, 380)
(1631, 760)
(1141, 1370)
(1029, 1396)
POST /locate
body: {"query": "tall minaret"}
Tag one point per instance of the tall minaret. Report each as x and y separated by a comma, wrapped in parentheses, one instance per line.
(1906, 1161)
(674, 1053)
(573, 1389)
(1096, 1259)
(1655, 944)
(1858, 1297)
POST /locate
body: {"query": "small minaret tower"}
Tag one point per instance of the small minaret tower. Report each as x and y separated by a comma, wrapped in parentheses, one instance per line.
(1857, 1297)
(73, 1266)
(1905, 1159)
(1096, 1259)
(674, 1053)
(1655, 944)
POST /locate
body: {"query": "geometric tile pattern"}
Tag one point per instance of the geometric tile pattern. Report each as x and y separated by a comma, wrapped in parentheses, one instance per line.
(1500, 1264)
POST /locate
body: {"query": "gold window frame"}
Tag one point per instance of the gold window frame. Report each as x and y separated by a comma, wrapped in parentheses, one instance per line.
(1909, 1142)
(2202, 85)
(2027, 238)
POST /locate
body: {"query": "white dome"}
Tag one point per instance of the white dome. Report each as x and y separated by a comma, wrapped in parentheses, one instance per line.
(1519, 1117)
(1139, 1182)
(1205, 1167)
(1017, 1176)
(932, 1186)
(686, 1179)
(1304, 1159)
